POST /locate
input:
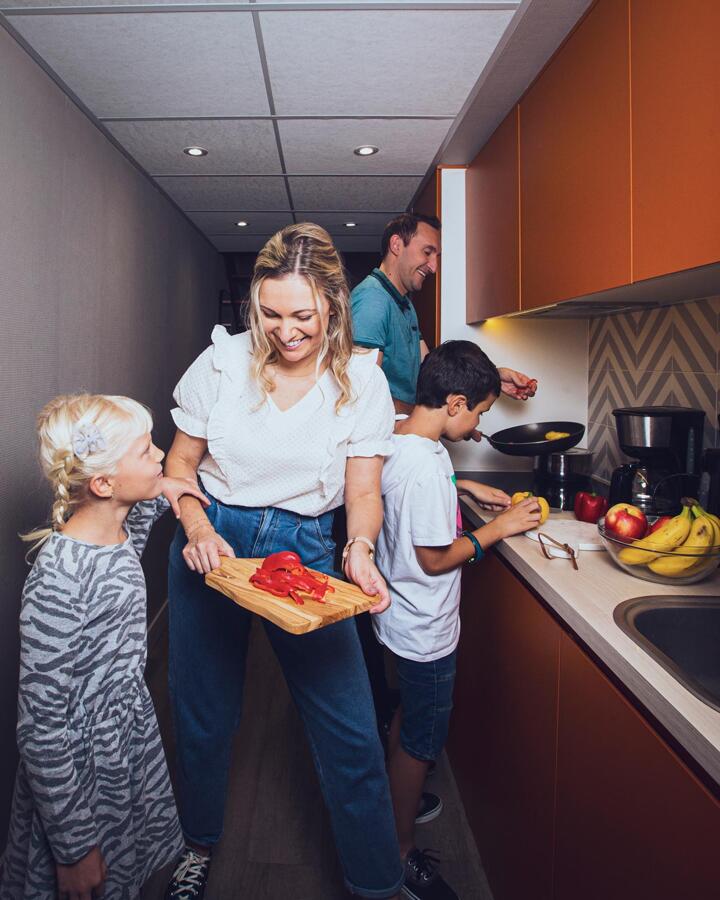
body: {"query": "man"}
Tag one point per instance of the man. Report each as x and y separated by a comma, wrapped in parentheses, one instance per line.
(385, 319)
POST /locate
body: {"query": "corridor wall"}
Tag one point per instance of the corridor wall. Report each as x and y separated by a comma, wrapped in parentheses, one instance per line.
(104, 286)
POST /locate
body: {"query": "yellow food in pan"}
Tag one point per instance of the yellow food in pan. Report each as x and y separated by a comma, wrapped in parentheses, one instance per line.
(556, 435)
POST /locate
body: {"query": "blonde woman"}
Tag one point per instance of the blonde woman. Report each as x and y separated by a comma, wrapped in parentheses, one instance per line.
(93, 810)
(283, 424)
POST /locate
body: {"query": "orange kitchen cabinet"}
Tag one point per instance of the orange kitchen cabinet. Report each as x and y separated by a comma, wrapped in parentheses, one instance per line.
(675, 70)
(575, 164)
(492, 226)
(502, 736)
(632, 821)
(427, 300)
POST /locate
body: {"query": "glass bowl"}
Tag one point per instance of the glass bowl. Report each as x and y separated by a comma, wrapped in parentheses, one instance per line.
(701, 564)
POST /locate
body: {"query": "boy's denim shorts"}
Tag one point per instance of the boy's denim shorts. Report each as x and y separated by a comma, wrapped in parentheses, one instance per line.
(426, 690)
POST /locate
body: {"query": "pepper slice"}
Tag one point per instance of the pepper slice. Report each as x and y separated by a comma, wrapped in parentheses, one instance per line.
(283, 575)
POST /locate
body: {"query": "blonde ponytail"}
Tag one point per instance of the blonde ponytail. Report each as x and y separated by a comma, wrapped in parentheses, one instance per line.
(67, 459)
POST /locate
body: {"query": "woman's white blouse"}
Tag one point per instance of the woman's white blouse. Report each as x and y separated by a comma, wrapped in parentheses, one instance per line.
(260, 456)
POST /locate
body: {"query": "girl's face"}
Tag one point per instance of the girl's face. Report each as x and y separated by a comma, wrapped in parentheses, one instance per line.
(139, 473)
(290, 317)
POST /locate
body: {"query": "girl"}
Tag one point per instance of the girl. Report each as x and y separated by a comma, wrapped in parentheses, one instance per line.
(93, 807)
(284, 423)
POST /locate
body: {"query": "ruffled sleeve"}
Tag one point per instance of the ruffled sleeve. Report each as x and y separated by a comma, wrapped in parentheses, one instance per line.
(374, 410)
(197, 391)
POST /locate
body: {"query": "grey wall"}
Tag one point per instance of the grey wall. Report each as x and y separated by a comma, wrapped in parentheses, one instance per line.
(104, 286)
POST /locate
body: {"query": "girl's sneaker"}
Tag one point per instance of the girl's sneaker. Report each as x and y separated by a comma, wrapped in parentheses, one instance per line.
(422, 879)
(190, 876)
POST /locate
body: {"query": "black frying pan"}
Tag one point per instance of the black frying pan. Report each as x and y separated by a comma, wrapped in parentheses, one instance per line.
(529, 440)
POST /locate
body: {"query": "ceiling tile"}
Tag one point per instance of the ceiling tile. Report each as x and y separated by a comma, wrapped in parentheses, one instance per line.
(365, 223)
(234, 147)
(215, 223)
(208, 193)
(378, 62)
(159, 64)
(325, 146)
(241, 243)
(363, 192)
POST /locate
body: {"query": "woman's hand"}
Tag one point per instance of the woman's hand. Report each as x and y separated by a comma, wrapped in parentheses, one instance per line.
(204, 548)
(517, 385)
(363, 572)
(175, 488)
(84, 880)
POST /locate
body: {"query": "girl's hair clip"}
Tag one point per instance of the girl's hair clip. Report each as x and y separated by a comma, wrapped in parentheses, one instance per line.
(86, 439)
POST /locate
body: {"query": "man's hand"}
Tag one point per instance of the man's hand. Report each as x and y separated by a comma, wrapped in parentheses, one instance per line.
(84, 880)
(515, 384)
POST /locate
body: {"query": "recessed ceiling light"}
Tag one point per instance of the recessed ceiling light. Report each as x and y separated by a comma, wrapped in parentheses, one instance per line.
(241, 224)
(366, 150)
(350, 224)
(195, 151)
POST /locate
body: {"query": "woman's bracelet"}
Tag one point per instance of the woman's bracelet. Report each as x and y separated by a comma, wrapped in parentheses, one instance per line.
(364, 540)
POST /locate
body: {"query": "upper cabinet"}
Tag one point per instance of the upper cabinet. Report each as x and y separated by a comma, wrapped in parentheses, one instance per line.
(575, 164)
(492, 221)
(675, 135)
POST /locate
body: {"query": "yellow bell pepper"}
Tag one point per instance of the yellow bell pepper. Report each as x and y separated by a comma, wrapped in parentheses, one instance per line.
(544, 505)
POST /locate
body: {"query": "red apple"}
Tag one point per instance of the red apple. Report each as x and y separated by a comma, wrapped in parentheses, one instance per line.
(626, 521)
(659, 523)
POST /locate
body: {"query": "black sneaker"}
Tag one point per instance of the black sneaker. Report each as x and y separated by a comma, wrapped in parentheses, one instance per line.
(422, 879)
(430, 808)
(190, 876)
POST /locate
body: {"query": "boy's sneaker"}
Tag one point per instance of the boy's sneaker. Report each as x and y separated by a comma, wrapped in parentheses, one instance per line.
(190, 876)
(430, 808)
(422, 879)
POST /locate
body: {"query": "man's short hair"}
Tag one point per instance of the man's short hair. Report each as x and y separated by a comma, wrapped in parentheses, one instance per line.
(406, 226)
(456, 367)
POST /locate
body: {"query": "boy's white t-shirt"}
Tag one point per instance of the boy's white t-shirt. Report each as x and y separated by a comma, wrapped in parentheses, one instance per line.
(421, 503)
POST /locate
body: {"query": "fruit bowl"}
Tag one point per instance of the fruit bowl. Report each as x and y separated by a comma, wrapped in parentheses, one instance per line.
(700, 564)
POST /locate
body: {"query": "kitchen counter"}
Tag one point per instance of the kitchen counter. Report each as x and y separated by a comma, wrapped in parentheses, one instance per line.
(585, 601)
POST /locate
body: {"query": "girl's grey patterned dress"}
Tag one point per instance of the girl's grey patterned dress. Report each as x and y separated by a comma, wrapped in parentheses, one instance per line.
(92, 768)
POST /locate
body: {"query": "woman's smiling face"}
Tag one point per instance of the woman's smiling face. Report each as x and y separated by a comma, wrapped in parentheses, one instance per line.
(290, 317)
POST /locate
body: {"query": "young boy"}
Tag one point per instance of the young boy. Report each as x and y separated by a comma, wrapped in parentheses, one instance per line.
(420, 551)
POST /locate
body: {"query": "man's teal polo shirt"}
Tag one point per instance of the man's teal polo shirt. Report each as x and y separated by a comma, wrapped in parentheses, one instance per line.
(385, 319)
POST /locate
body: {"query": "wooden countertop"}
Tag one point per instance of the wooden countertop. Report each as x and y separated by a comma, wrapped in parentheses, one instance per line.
(585, 600)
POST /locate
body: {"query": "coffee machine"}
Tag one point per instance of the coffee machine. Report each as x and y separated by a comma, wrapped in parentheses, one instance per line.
(667, 443)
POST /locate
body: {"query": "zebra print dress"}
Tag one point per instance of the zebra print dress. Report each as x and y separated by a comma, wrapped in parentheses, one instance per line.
(92, 768)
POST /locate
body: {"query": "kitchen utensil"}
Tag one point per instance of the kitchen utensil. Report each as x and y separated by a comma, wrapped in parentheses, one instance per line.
(578, 535)
(550, 548)
(529, 440)
(233, 580)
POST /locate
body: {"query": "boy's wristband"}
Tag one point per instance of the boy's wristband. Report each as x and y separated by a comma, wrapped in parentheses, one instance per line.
(479, 552)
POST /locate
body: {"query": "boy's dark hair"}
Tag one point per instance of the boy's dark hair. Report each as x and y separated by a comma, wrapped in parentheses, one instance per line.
(456, 367)
(405, 225)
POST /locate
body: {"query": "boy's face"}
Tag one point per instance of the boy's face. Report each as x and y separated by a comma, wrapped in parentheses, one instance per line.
(462, 421)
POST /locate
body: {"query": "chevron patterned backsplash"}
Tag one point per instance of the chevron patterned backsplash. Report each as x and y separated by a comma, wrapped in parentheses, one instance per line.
(667, 355)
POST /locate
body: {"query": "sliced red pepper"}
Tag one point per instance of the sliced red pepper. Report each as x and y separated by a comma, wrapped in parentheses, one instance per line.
(283, 575)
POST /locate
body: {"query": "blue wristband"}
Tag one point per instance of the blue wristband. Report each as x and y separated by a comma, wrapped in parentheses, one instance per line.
(479, 552)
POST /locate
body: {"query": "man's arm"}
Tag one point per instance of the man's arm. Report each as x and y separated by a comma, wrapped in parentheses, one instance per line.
(424, 349)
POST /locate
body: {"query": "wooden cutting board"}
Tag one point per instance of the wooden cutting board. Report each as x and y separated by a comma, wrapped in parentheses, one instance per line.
(233, 580)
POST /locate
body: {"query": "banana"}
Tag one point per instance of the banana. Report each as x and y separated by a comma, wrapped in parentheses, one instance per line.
(714, 521)
(665, 539)
(689, 555)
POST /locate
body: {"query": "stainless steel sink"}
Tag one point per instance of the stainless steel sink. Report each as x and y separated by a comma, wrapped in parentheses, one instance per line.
(682, 634)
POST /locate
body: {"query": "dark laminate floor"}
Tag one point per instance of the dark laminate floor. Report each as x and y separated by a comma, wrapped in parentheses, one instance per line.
(277, 841)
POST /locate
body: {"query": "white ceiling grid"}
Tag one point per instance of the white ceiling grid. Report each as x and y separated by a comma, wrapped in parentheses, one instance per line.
(279, 93)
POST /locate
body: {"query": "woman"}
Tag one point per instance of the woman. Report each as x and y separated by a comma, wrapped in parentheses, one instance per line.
(283, 424)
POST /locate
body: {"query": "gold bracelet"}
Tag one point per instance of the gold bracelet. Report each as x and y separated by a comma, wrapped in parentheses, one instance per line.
(346, 549)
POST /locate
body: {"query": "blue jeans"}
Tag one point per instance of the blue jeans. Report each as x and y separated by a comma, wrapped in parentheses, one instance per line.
(426, 690)
(326, 675)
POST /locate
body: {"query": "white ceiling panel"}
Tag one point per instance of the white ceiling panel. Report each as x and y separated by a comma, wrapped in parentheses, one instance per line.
(365, 223)
(361, 193)
(407, 146)
(234, 147)
(208, 193)
(214, 223)
(159, 64)
(377, 62)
